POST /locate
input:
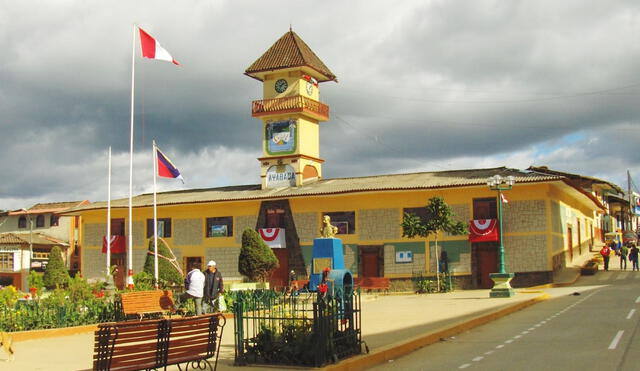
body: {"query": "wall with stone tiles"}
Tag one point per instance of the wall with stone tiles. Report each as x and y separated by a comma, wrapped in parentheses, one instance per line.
(526, 253)
(525, 216)
(187, 232)
(93, 234)
(391, 267)
(378, 224)
(240, 223)
(94, 264)
(351, 258)
(307, 225)
(139, 234)
(226, 259)
(462, 213)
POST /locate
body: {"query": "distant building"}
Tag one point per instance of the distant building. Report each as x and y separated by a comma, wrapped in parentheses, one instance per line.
(27, 236)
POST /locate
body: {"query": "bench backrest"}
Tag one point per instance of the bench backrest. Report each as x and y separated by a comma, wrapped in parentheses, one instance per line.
(374, 282)
(125, 346)
(135, 302)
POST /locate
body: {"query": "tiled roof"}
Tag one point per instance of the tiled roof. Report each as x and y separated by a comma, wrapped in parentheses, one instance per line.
(546, 170)
(50, 207)
(413, 181)
(12, 238)
(289, 51)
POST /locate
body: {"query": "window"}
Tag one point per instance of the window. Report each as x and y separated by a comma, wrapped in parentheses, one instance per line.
(345, 221)
(40, 221)
(55, 219)
(6, 261)
(41, 255)
(220, 226)
(164, 227)
(275, 218)
(420, 212)
(22, 222)
(485, 208)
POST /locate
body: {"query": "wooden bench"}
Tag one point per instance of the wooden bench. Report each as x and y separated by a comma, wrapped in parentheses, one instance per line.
(141, 303)
(372, 283)
(155, 344)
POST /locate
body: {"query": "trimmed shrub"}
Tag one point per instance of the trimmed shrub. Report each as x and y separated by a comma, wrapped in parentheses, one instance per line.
(56, 274)
(168, 274)
(256, 259)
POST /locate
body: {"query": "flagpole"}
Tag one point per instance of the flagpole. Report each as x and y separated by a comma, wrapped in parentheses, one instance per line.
(108, 237)
(155, 215)
(130, 239)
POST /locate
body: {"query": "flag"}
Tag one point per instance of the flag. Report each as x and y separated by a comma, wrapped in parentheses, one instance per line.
(273, 237)
(166, 168)
(152, 49)
(503, 199)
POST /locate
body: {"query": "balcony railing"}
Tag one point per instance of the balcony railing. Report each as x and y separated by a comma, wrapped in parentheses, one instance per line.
(296, 103)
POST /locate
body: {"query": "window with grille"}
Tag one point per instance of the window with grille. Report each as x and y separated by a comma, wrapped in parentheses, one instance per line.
(345, 221)
(164, 227)
(6, 261)
(220, 226)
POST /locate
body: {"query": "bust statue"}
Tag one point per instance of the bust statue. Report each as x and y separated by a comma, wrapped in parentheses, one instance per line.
(328, 230)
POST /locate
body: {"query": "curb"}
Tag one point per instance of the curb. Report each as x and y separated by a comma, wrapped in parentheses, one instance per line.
(393, 351)
(559, 284)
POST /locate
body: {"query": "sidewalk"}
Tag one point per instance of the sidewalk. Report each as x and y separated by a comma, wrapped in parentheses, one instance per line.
(386, 320)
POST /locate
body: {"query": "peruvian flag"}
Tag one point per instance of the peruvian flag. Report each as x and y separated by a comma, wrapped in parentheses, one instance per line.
(273, 237)
(311, 80)
(152, 49)
(166, 168)
(483, 230)
(503, 199)
(118, 244)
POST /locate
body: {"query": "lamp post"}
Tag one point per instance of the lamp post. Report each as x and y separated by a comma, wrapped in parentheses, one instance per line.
(30, 239)
(501, 279)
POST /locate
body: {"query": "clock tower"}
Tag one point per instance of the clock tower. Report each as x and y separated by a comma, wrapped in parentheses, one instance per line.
(290, 111)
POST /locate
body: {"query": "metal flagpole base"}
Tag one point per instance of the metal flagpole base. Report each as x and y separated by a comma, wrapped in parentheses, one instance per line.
(130, 279)
(501, 287)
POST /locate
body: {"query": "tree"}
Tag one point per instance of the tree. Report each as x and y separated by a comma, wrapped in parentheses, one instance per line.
(256, 259)
(168, 270)
(440, 218)
(56, 274)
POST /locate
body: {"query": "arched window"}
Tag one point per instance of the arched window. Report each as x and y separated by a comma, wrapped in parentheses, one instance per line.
(40, 221)
(22, 222)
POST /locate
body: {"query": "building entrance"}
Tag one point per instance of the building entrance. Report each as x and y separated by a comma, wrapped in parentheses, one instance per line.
(371, 261)
(486, 257)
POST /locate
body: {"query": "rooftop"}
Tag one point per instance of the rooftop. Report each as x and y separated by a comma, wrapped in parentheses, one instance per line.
(15, 238)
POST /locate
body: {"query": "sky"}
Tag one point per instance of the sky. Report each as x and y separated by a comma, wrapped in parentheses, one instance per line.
(423, 86)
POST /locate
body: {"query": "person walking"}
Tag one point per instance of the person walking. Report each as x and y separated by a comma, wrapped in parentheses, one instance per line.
(624, 251)
(213, 286)
(605, 252)
(633, 257)
(194, 284)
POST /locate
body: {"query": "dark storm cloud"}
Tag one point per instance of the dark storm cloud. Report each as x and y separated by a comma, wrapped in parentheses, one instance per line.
(423, 86)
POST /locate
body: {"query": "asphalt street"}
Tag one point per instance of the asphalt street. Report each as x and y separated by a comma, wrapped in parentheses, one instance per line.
(595, 329)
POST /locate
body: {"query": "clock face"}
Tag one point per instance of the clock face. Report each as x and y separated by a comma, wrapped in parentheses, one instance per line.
(309, 88)
(281, 85)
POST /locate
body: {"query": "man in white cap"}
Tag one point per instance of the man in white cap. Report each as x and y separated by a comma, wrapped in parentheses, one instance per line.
(213, 285)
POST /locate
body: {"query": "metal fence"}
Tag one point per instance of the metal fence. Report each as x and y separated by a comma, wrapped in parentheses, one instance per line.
(301, 328)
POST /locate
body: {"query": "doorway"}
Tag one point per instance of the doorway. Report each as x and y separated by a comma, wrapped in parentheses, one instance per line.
(118, 259)
(189, 260)
(570, 243)
(487, 262)
(280, 276)
(371, 263)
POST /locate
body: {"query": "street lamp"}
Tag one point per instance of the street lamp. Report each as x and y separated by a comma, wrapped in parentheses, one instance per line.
(30, 237)
(501, 287)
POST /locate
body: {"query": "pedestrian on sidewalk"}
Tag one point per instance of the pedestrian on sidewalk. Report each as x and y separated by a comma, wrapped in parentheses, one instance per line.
(605, 252)
(624, 251)
(633, 257)
(194, 284)
(213, 287)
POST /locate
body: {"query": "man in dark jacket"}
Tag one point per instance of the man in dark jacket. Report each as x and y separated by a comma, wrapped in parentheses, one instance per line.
(213, 285)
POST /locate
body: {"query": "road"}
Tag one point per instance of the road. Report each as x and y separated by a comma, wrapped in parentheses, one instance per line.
(595, 330)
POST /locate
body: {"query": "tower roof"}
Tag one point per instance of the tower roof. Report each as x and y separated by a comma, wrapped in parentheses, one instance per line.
(289, 51)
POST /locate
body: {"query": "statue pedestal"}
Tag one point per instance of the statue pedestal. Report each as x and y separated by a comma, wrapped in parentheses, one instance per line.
(327, 253)
(501, 287)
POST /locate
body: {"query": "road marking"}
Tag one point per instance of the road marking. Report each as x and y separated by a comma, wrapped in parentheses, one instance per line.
(622, 275)
(488, 353)
(543, 322)
(616, 339)
(509, 341)
(631, 313)
(499, 346)
(465, 365)
(524, 332)
(517, 336)
(638, 299)
(531, 328)
(478, 358)
(538, 325)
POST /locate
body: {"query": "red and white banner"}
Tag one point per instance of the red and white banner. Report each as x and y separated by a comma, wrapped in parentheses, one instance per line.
(273, 237)
(483, 230)
(118, 244)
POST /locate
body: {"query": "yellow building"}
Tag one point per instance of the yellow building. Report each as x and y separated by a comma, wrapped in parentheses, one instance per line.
(548, 221)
